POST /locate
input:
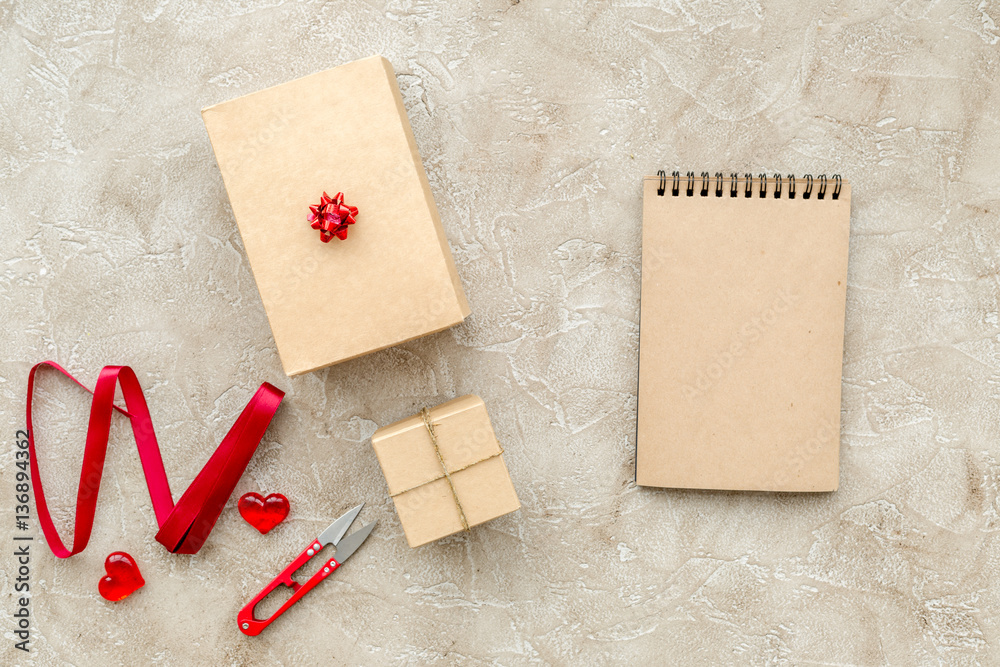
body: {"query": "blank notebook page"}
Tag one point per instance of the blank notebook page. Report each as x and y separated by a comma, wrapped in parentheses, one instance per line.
(741, 334)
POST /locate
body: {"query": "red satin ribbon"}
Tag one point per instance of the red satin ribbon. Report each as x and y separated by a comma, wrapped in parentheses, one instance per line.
(184, 526)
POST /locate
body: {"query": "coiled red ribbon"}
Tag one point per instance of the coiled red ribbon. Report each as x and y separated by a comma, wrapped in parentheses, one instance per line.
(184, 527)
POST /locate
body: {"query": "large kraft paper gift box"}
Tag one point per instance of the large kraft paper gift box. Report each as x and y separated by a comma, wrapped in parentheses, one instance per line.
(393, 278)
(445, 470)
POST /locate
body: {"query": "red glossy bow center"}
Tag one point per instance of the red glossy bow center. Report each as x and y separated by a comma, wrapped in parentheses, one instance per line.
(332, 217)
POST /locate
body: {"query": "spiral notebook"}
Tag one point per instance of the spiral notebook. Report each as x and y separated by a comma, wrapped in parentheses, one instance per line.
(741, 334)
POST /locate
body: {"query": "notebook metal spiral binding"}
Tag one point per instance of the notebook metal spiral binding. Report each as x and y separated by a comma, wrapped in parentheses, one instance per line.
(748, 182)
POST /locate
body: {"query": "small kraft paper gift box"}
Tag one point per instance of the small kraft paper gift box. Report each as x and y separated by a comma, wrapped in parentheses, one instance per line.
(445, 470)
(382, 277)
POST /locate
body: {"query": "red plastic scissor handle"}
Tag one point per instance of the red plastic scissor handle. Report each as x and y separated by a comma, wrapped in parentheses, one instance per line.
(253, 626)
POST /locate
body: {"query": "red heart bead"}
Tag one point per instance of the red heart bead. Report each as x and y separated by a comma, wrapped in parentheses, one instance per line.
(263, 513)
(123, 577)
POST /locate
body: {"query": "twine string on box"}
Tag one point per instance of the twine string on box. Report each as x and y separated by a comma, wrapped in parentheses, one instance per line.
(425, 414)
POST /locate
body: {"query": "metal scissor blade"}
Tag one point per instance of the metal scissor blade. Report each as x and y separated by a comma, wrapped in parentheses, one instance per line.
(352, 542)
(337, 529)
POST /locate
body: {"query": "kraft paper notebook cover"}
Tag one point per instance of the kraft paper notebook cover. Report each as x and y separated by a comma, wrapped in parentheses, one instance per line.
(341, 130)
(741, 335)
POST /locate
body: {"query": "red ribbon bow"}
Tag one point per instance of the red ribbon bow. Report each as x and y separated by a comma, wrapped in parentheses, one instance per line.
(331, 217)
(184, 527)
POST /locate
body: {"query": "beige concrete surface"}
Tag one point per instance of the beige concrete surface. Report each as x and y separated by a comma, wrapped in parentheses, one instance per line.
(536, 121)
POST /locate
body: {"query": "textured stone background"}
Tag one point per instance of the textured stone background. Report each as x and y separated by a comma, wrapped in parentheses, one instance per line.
(536, 121)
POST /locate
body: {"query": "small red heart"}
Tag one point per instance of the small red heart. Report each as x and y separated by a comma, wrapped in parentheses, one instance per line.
(263, 513)
(123, 577)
